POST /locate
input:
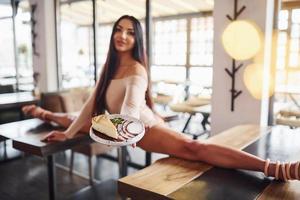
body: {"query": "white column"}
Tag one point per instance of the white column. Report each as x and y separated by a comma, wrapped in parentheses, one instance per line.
(45, 62)
(247, 109)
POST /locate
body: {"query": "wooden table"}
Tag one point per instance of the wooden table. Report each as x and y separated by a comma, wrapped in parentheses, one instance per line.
(172, 178)
(27, 135)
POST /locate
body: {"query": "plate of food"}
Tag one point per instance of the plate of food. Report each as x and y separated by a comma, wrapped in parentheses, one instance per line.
(116, 130)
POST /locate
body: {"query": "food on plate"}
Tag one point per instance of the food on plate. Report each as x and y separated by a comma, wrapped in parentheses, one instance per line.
(103, 124)
(121, 129)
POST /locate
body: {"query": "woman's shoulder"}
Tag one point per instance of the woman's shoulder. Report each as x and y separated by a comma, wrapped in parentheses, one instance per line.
(137, 70)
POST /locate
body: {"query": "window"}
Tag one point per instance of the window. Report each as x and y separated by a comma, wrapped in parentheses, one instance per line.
(24, 46)
(7, 64)
(201, 53)
(288, 49)
(170, 38)
(294, 60)
(109, 12)
(182, 38)
(76, 44)
(21, 50)
(171, 50)
(104, 34)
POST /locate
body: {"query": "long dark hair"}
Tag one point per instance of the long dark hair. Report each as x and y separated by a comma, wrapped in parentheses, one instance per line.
(112, 62)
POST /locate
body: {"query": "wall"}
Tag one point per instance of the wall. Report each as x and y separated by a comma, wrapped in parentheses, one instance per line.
(247, 109)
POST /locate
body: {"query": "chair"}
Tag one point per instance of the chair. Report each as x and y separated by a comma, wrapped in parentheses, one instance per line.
(289, 118)
(6, 89)
(10, 115)
(162, 99)
(7, 116)
(192, 106)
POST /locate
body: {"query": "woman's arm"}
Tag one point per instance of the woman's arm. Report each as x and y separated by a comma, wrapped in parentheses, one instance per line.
(84, 116)
(134, 96)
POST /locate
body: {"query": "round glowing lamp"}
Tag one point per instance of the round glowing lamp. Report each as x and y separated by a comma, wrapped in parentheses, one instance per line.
(241, 39)
(253, 79)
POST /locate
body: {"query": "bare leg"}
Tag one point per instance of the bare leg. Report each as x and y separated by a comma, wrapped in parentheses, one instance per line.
(62, 119)
(165, 140)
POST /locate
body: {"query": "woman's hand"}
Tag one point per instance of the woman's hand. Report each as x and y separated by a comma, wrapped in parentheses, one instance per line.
(55, 136)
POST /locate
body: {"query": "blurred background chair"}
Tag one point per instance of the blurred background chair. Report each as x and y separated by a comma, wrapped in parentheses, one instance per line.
(192, 106)
(7, 115)
(7, 89)
(289, 118)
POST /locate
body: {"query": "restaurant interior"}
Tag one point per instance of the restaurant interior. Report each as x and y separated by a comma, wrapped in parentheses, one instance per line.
(226, 72)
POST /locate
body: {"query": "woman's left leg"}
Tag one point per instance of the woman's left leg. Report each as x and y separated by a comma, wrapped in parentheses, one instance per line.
(165, 140)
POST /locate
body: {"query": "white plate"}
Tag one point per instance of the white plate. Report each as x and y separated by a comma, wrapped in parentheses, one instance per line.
(130, 125)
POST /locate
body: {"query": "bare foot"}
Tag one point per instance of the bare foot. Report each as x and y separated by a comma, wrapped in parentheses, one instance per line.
(36, 112)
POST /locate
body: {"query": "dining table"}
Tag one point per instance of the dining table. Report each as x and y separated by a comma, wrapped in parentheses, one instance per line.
(27, 135)
(175, 178)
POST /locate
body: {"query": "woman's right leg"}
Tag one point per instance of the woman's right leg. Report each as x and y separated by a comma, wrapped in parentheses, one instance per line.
(165, 140)
(62, 119)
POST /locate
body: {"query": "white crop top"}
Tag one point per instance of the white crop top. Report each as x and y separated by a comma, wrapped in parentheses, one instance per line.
(127, 96)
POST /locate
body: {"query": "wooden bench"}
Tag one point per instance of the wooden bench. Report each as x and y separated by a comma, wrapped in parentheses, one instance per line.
(172, 178)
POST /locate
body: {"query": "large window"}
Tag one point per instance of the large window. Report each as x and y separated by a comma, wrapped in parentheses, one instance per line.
(16, 57)
(288, 50)
(7, 64)
(287, 84)
(104, 33)
(76, 36)
(183, 50)
(24, 46)
(108, 13)
(182, 39)
(76, 44)
(201, 52)
(170, 40)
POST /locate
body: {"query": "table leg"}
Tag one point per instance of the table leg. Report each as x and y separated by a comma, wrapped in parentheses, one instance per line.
(294, 100)
(205, 120)
(5, 150)
(122, 154)
(148, 158)
(51, 177)
(187, 123)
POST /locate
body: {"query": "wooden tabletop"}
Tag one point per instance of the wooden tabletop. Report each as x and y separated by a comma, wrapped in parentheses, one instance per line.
(172, 178)
(27, 135)
(183, 107)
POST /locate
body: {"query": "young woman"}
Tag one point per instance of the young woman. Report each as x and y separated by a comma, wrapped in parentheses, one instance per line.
(124, 88)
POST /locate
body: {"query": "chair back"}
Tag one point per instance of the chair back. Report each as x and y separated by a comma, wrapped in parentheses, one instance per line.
(7, 89)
